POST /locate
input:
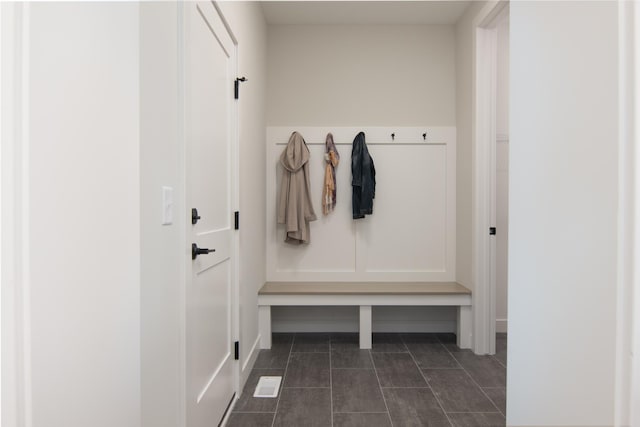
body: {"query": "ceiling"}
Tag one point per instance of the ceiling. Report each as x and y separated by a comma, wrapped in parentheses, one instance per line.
(363, 12)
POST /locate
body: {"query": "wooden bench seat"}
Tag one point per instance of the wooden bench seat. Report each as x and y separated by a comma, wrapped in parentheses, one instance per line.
(365, 295)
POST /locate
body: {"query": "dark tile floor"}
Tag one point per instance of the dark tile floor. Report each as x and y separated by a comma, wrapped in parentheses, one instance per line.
(404, 380)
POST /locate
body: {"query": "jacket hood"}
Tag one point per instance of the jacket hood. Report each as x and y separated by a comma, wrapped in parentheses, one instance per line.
(296, 154)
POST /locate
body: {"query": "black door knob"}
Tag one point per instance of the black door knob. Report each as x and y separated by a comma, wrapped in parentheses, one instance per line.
(195, 251)
(194, 216)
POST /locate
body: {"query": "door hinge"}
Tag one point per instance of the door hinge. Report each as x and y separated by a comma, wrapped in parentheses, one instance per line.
(236, 220)
(236, 87)
(194, 216)
(492, 231)
(236, 350)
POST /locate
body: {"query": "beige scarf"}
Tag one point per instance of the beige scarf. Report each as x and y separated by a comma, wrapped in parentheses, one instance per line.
(329, 188)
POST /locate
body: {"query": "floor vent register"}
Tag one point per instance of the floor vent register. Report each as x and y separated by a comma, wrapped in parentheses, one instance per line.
(268, 387)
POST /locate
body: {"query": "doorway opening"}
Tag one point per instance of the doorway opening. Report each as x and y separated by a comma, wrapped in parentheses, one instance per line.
(491, 172)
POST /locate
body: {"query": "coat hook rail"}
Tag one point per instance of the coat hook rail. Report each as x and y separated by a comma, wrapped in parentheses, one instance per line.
(374, 143)
(375, 135)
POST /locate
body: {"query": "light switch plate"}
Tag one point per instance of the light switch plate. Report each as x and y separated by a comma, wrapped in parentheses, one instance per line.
(167, 205)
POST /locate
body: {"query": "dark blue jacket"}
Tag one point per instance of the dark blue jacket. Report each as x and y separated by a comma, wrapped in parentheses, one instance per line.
(363, 179)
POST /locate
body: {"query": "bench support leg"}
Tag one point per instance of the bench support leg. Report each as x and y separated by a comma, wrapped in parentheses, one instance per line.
(365, 327)
(464, 326)
(264, 320)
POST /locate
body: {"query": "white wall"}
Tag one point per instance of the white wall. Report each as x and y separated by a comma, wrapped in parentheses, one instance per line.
(464, 127)
(502, 174)
(161, 257)
(83, 216)
(249, 27)
(357, 75)
(563, 216)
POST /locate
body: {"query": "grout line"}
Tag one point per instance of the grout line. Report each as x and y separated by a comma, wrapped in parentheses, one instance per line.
(481, 390)
(427, 386)
(476, 383)
(330, 384)
(284, 377)
(498, 360)
(431, 388)
(442, 369)
(268, 369)
(380, 386)
(308, 387)
(355, 369)
(494, 403)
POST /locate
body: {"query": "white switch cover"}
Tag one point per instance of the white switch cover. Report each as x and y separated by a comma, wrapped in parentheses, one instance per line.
(167, 205)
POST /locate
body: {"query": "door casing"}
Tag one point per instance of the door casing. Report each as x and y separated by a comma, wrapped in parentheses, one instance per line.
(484, 176)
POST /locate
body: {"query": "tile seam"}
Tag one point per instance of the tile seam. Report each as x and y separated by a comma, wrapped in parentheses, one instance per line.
(284, 377)
(384, 399)
(477, 385)
(432, 391)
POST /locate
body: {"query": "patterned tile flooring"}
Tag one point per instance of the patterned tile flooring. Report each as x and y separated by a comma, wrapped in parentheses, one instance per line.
(404, 380)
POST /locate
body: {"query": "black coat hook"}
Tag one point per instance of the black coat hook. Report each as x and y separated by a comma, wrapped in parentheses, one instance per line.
(393, 136)
(424, 136)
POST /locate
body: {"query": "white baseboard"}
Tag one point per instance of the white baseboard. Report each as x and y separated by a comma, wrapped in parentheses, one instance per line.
(501, 325)
(248, 363)
(225, 420)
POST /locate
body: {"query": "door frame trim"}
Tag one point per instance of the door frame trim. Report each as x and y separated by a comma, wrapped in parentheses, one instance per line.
(484, 174)
(235, 207)
(627, 362)
(14, 226)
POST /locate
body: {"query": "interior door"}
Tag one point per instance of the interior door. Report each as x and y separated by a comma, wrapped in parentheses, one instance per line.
(208, 86)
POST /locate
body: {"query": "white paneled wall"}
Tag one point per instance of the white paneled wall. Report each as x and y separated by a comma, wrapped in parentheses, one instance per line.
(411, 234)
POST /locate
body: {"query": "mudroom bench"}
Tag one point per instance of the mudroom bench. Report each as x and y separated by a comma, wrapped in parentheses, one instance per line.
(365, 295)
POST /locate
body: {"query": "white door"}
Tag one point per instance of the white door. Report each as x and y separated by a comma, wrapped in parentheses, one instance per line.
(210, 189)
